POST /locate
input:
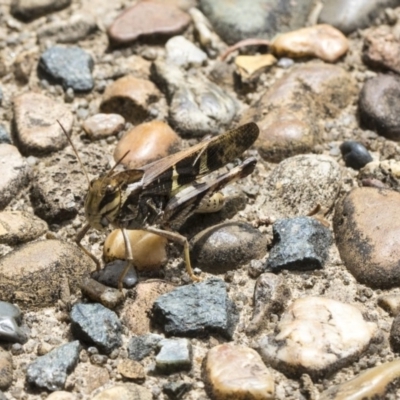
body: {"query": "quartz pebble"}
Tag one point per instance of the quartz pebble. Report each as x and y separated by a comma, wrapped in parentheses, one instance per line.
(50, 371)
(6, 369)
(23, 271)
(378, 105)
(200, 107)
(96, 325)
(196, 310)
(373, 383)
(307, 332)
(69, 66)
(130, 97)
(174, 355)
(146, 142)
(101, 126)
(148, 249)
(227, 246)
(237, 372)
(37, 130)
(355, 154)
(322, 41)
(61, 395)
(125, 391)
(28, 10)
(14, 173)
(371, 255)
(184, 53)
(300, 243)
(136, 312)
(147, 19)
(17, 227)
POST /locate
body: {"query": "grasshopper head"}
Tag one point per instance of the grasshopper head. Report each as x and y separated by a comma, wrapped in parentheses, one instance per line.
(102, 202)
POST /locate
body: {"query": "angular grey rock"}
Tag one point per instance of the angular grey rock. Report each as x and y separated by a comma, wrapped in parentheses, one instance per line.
(10, 331)
(140, 347)
(300, 243)
(96, 325)
(50, 371)
(197, 108)
(197, 310)
(227, 246)
(28, 10)
(70, 66)
(235, 20)
(175, 355)
(350, 15)
(9, 310)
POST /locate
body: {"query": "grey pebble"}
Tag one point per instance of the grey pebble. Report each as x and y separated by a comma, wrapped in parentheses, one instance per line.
(182, 52)
(2, 396)
(300, 243)
(50, 371)
(355, 155)
(227, 246)
(97, 325)
(9, 310)
(69, 66)
(175, 355)
(10, 331)
(140, 347)
(4, 135)
(197, 310)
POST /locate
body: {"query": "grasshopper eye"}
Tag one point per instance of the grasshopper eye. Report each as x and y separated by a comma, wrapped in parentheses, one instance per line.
(109, 189)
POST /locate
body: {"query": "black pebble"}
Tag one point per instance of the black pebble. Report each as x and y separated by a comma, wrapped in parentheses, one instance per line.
(355, 155)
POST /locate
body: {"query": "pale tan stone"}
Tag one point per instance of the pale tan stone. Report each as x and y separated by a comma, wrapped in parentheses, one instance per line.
(250, 66)
(100, 126)
(126, 391)
(131, 369)
(391, 303)
(146, 143)
(148, 249)
(61, 395)
(234, 372)
(322, 41)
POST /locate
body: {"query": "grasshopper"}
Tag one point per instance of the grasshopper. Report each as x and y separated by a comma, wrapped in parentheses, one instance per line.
(163, 194)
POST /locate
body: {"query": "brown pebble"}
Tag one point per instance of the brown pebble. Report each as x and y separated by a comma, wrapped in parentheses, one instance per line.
(105, 295)
(148, 249)
(146, 143)
(130, 97)
(322, 41)
(147, 18)
(131, 369)
(100, 126)
(23, 65)
(136, 313)
(366, 226)
(37, 130)
(19, 226)
(234, 372)
(6, 369)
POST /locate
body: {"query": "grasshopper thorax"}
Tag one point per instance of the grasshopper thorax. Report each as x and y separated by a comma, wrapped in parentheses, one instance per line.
(102, 202)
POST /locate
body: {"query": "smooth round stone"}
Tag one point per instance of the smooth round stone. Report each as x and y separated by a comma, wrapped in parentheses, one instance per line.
(184, 53)
(14, 173)
(355, 155)
(379, 105)
(381, 49)
(366, 225)
(100, 126)
(18, 227)
(28, 10)
(146, 143)
(374, 383)
(147, 19)
(37, 129)
(149, 250)
(131, 369)
(321, 41)
(227, 246)
(130, 97)
(308, 331)
(6, 369)
(237, 372)
(124, 391)
(234, 20)
(23, 271)
(350, 15)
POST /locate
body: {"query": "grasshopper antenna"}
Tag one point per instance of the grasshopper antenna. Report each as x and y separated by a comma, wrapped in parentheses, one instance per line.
(117, 163)
(76, 152)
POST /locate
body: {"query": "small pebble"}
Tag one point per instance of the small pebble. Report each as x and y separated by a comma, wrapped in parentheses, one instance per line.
(174, 355)
(176, 390)
(182, 52)
(355, 155)
(131, 369)
(6, 369)
(29, 10)
(140, 347)
(101, 126)
(128, 391)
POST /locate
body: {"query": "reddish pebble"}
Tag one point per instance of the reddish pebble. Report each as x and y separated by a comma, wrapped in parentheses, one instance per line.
(100, 126)
(146, 143)
(147, 19)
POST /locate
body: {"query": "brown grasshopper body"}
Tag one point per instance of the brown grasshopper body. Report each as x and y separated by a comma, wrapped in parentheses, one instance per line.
(164, 193)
